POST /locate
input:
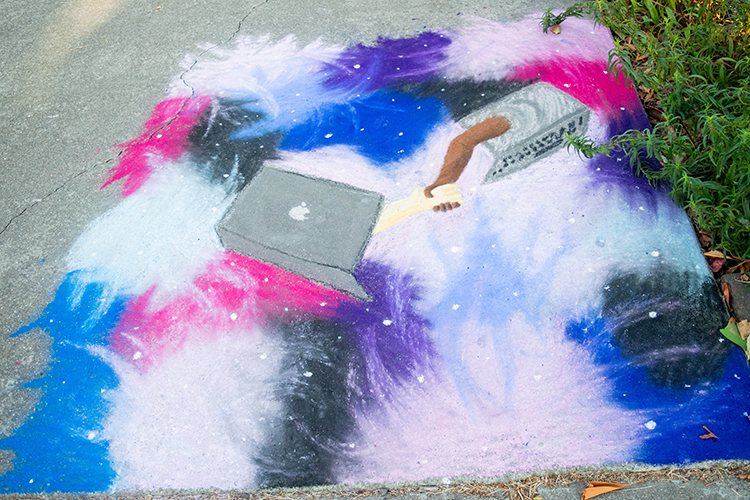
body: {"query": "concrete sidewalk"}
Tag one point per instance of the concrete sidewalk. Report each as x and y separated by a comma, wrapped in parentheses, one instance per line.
(81, 77)
(520, 488)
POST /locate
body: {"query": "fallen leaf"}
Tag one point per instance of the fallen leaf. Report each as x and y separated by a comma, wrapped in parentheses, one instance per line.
(743, 477)
(704, 239)
(744, 329)
(726, 291)
(745, 264)
(596, 488)
(710, 434)
(715, 254)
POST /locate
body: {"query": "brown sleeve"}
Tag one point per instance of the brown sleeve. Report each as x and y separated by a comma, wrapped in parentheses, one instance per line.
(461, 148)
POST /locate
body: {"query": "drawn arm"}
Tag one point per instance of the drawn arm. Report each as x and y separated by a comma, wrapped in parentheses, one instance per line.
(443, 194)
(461, 148)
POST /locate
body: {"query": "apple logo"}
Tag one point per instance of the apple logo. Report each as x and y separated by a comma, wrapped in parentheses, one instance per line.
(299, 212)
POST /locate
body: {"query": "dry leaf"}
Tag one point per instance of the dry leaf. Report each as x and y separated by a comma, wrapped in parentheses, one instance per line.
(714, 254)
(745, 264)
(726, 291)
(704, 239)
(744, 328)
(596, 488)
(710, 434)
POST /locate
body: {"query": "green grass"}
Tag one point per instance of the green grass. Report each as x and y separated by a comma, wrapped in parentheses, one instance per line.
(550, 20)
(690, 59)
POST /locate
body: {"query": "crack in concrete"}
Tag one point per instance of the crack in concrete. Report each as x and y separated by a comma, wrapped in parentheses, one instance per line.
(153, 132)
(17, 216)
(231, 37)
(184, 82)
(239, 25)
(51, 193)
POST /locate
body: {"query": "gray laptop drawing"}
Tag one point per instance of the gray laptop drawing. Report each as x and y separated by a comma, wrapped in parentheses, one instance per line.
(313, 227)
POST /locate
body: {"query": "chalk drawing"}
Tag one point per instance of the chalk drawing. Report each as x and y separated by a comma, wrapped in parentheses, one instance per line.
(559, 314)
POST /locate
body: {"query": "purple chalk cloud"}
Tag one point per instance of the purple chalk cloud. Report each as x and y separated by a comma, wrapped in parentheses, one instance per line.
(389, 61)
(391, 334)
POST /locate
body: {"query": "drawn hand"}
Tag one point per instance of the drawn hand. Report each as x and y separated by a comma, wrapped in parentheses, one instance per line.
(444, 198)
(441, 199)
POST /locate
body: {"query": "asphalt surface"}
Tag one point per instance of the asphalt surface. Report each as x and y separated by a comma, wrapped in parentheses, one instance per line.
(81, 76)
